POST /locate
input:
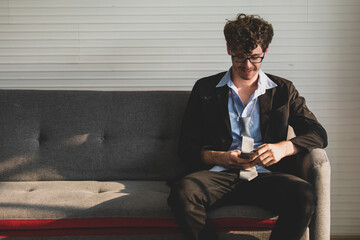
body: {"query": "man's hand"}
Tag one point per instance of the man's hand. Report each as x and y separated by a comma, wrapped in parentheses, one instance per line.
(229, 159)
(269, 154)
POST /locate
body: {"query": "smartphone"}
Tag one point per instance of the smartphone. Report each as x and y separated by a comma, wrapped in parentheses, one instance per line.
(246, 155)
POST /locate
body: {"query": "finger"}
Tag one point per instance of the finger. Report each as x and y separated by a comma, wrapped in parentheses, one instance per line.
(241, 163)
(235, 153)
(270, 163)
(240, 160)
(236, 156)
(260, 150)
(264, 158)
(259, 153)
(266, 161)
(262, 145)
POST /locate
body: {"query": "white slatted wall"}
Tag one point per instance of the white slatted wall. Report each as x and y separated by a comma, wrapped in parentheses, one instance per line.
(167, 45)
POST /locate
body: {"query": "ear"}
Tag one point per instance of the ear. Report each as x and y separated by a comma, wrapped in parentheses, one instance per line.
(266, 51)
(228, 49)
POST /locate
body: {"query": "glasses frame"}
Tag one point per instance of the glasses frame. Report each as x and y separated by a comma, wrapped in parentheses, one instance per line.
(248, 58)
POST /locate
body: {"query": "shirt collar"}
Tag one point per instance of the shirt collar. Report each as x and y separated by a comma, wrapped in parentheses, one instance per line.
(264, 82)
(225, 79)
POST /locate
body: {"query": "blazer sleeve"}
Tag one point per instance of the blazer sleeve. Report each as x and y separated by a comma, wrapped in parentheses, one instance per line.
(309, 132)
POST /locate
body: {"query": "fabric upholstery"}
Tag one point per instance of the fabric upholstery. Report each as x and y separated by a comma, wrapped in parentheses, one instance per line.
(89, 199)
(72, 135)
(93, 155)
(316, 170)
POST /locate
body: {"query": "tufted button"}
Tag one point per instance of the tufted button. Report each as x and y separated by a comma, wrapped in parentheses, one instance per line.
(102, 139)
(101, 190)
(41, 137)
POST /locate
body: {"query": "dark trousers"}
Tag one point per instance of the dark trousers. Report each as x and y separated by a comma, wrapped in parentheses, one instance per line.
(292, 198)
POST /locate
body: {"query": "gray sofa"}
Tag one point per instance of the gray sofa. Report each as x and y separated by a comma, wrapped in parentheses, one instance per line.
(94, 165)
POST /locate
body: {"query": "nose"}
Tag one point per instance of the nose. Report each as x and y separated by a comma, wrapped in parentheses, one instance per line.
(247, 63)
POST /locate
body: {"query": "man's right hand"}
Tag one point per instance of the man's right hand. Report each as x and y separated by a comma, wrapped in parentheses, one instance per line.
(229, 159)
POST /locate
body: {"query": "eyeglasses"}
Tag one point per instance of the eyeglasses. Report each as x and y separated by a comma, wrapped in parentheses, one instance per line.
(252, 59)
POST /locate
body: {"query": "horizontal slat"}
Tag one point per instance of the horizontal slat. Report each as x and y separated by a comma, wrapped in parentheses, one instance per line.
(168, 34)
(4, 11)
(349, 214)
(345, 199)
(4, 19)
(154, 3)
(22, 72)
(146, 19)
(342, 158)
(334, 18)
(276, 53)
(346, 222)
(300, 78)
(337, 3)
(343, 207)
(340, 232)
(342, 180)
(283, 43)
(202, 61)
(153, 10)
(328, 9)
(165, 26)
(308, 62)
(162, 3)
(346, 191)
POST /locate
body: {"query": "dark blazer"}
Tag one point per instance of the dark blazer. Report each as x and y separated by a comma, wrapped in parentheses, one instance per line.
(206, 123)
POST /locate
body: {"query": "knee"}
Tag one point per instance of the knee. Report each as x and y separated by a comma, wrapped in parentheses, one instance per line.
(310, 200)
(177, 194)
(303, 198)
(185, 192)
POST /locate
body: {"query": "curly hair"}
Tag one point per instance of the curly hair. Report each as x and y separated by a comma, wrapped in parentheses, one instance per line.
(247, 32)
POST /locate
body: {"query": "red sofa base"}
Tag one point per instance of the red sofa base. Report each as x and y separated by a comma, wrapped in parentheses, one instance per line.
(118, 226)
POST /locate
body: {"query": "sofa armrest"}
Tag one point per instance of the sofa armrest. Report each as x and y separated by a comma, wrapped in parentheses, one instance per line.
(315, 168)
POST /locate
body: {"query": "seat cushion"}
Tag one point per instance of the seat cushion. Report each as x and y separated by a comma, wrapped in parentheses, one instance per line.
(128, 206)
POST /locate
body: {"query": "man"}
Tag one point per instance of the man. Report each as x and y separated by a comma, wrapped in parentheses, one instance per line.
(245, 109)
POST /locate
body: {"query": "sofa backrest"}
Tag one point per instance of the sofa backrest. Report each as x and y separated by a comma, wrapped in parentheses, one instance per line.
(90, 135)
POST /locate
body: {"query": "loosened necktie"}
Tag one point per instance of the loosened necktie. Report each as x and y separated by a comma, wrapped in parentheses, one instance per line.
(247, 146)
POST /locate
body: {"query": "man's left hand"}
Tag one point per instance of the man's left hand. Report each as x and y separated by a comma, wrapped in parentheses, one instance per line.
(269, 154)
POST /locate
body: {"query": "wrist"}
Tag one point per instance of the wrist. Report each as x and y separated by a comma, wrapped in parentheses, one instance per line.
(290, 148)
(211, 157)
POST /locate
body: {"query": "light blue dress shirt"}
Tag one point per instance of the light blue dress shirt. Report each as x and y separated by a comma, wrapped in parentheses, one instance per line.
(264, 83)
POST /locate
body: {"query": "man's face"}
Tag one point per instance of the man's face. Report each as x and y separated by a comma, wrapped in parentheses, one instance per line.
(247, 70)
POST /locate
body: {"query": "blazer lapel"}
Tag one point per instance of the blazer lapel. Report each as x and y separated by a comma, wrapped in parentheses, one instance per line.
(222, 95)
(265, 101)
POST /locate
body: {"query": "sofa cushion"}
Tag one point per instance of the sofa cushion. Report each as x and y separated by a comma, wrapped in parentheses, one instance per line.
(93, 204)
(89, 135)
